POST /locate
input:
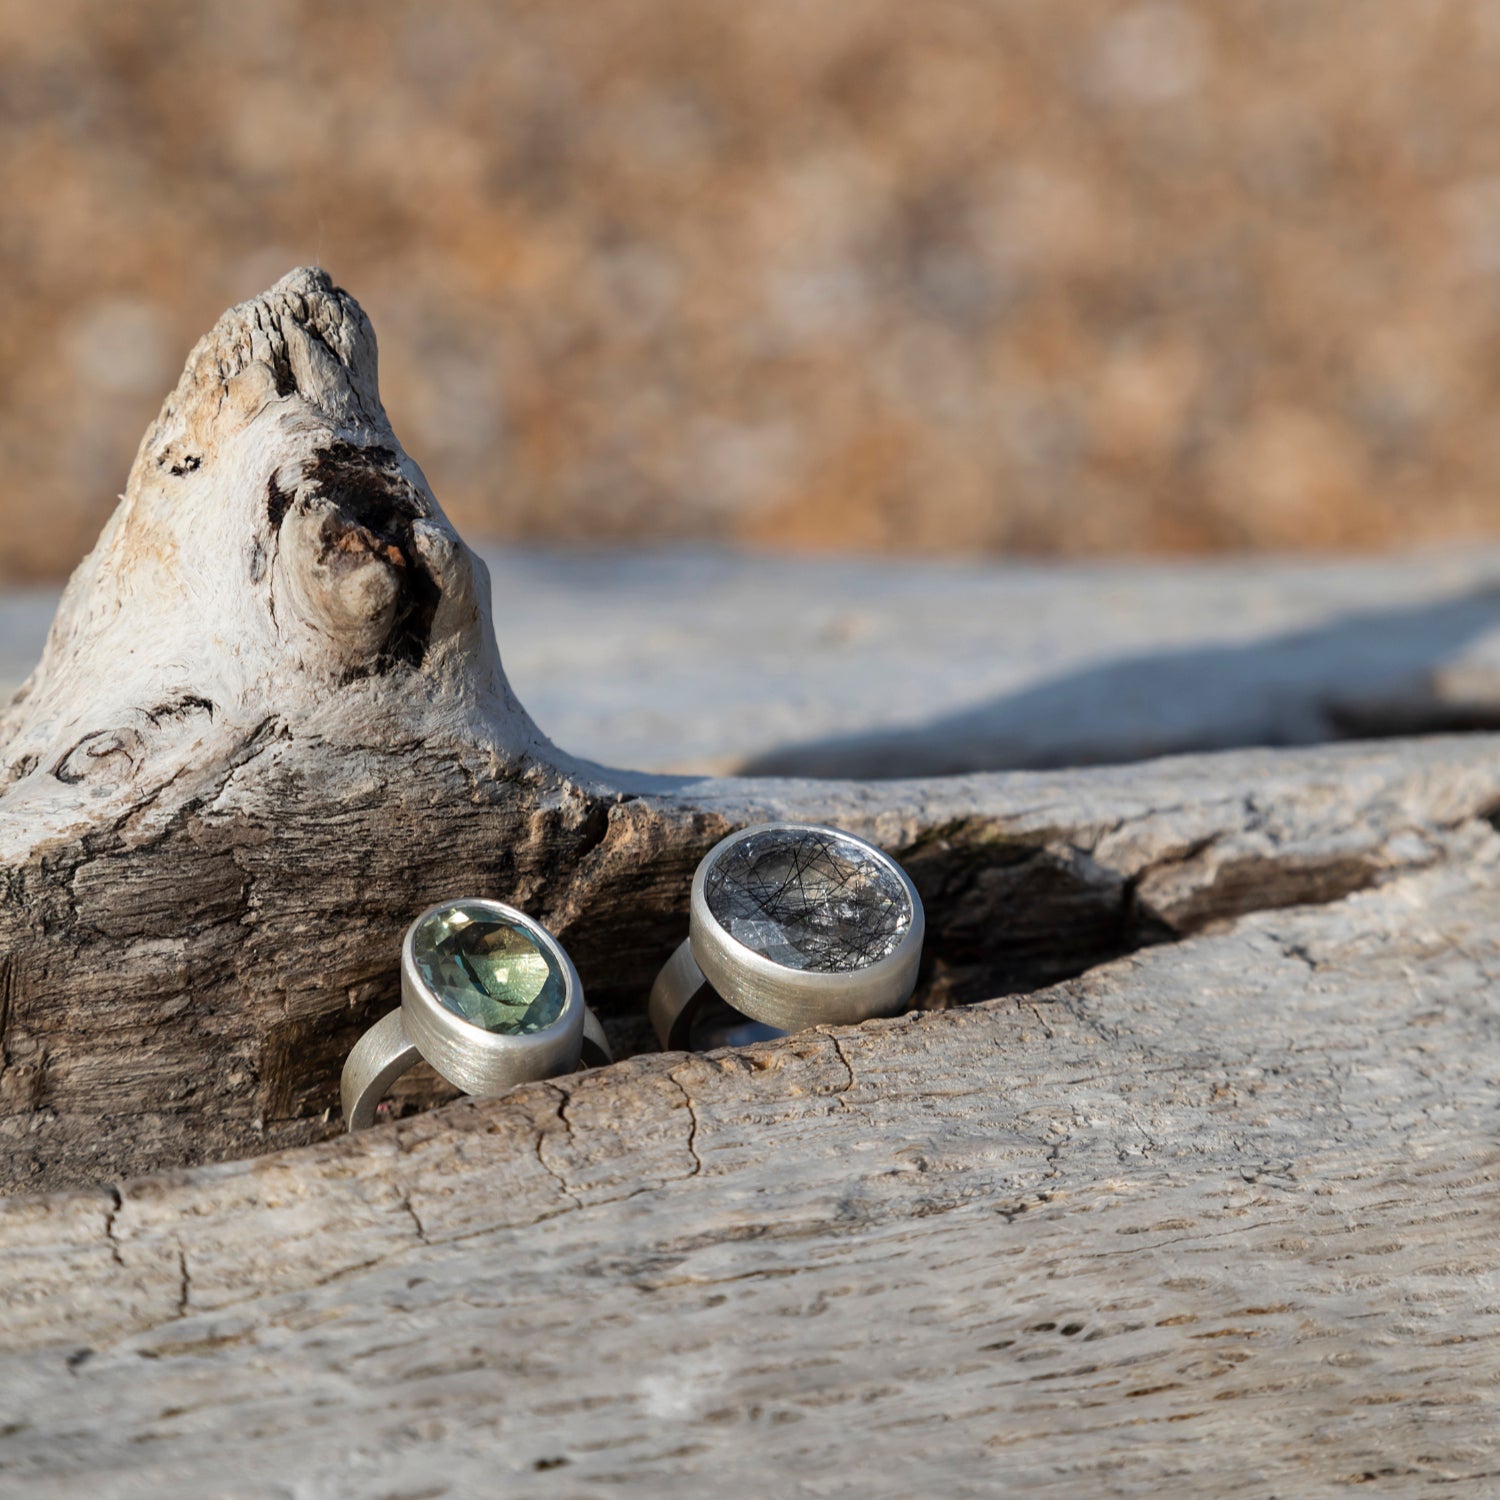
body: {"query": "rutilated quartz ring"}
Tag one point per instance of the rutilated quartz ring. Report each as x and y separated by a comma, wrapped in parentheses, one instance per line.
(790, 925)
(488, 996)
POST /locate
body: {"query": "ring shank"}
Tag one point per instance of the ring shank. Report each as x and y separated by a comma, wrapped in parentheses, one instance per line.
(385, 1052)
(374, 1063)
(596, 1049)
(670, 1007)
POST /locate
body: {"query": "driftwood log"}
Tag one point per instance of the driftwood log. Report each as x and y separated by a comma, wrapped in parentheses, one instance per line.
(709, 661)
(1198, 1198)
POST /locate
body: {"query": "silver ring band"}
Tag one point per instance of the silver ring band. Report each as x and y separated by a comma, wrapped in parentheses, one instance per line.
(374, 1063)
(385, 1052)
(795, 902)
(481, 1037)
(671, 1006)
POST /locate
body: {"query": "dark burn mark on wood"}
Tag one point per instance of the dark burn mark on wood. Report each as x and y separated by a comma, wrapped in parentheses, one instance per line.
(180, 708)
(342, 539)
(178, 465)
(380, 506)
(413, 628)
(7, 992)
(281, 368)
(277, 501)
(366, 484)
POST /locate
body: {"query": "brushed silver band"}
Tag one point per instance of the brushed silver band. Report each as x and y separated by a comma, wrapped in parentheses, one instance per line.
(709, 961)
(374, 1063)
(671, 1007)
(385, 1052)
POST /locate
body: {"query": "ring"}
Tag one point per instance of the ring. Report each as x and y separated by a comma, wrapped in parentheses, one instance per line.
(489, 997)
(790, 925)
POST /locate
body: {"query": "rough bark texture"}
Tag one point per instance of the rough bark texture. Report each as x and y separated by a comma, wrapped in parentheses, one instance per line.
(1198, 1198)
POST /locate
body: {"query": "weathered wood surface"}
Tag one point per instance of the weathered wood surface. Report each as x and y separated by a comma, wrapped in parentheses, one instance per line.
(1215, 1219)
(718, 664)
(1202, 1201)
(271, 724)
(709, 663)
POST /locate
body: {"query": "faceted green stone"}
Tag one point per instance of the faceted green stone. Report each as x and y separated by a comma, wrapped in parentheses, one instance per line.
(488, 970)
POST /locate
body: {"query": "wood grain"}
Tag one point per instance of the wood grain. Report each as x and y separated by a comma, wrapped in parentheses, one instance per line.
(1216, 1218)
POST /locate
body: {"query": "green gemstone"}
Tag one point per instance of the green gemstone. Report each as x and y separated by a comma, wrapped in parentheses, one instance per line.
(487, 969)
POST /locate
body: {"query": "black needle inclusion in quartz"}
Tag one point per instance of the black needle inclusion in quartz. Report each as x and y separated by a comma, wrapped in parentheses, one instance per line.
(809, 899)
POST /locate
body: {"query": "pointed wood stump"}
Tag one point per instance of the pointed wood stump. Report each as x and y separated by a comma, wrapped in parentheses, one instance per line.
(1198, 1199)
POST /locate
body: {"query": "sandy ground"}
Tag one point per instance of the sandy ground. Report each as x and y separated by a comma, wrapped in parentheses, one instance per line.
(1084, 277)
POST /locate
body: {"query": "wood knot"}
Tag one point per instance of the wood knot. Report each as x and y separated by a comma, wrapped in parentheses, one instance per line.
(352, 565)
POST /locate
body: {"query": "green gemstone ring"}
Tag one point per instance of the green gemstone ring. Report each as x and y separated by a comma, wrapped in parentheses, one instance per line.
(488, 996)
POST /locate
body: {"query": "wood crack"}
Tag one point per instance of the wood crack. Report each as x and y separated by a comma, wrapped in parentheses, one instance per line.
(692, 1135)
(411, 1212)
(843, 1057)
(185, 1283)
(110, 1214)
(560, 1109)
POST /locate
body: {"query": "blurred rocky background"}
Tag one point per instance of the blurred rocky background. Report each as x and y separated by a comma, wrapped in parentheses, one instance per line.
(1083, 276)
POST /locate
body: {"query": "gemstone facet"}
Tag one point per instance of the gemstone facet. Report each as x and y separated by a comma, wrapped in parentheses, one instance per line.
(809, 899)
(488, 969)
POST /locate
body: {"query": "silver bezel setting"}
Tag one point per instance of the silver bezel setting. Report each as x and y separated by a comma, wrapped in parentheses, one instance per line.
(791, 999)
(485, 1063)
